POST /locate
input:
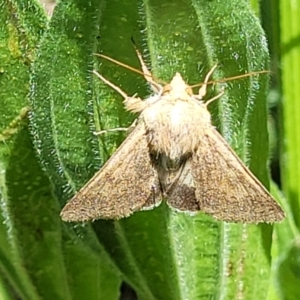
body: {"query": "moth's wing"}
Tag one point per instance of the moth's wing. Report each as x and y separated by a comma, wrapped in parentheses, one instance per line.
(126, 183)
(181, 193)
(225, 187)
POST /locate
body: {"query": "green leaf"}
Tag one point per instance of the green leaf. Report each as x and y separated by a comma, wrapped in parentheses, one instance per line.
(19, 33)
(283, 29)
(61, 123)
(289, 272)
(290, 30)
(40, 258)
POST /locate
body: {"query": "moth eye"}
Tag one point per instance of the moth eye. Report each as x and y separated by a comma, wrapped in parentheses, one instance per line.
(167, 88)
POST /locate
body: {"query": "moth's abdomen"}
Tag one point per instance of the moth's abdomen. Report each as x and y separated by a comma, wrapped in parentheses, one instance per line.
(175, 128)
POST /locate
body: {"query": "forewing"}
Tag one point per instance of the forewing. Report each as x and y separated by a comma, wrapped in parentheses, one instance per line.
(126, 183)
(225, 187)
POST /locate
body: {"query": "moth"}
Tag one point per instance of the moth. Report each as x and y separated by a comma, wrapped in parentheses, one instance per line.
(173, 153)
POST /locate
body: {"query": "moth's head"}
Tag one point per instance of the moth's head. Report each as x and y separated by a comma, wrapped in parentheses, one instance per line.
(177, 88)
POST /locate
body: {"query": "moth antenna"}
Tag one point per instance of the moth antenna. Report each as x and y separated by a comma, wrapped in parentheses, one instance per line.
(241, 76)
(231, 78)
(156, 87)
(120, 63)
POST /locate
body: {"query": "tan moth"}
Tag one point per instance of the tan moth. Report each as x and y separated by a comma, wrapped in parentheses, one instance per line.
(173, 153)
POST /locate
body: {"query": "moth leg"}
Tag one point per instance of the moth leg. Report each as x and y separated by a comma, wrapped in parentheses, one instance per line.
(215, 98)
(130, 128)
(202, 90)
(111, 130)
(134, 104)
(157, 88)
(116, 88)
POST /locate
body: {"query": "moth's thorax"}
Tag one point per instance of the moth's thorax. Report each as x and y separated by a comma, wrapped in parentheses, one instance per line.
(175, 125)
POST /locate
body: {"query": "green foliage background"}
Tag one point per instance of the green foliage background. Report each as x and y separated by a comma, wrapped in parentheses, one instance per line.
(46, 64)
